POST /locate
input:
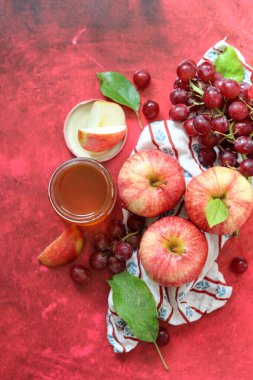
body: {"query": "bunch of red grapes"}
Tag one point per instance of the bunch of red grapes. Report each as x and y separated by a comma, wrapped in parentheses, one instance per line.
(218, 111)
(112, 250)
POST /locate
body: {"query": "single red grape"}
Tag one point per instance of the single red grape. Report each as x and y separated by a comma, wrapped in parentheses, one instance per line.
(123, 250)
(238, 111)
(80, 274)
(208, 141)
(116, 229)
(135, 223)
(239, 265)
(206, 156)
(202, 124)
(244, 91)
(212, 97)
(178, 96)
(186, 71)
(230, 89)
(141, 78)
(163, 337)
(115, 265)
(206, 71)
(246, 167)
(218, 76)
(220, 124)
(134, 240)
(189, 128)
(242, 128)
(98, 260)
(179, 112)
(150, 109)
(218, 83)
(227, 158)
(180, 84)
(244, 145)
(101, 242)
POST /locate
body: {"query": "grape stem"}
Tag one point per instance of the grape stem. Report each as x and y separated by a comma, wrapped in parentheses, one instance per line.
(139, 120)
(129, 235)
(161, 357)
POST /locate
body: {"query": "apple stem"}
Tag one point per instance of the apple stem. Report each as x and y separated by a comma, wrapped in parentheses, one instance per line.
(236, 233)
(161, 357)
(139, 120)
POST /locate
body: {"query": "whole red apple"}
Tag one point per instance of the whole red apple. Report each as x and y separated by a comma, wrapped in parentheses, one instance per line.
(227, 185)
(150, 182)
(173, 251)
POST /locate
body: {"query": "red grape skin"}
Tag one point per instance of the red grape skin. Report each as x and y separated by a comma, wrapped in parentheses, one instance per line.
(251, 77)
(116, 229)
(150, 109)
(134, 240)
(180, 84)
(206, 156)
(244, 91)
(242, 128)
(123, 250)
(135, 223)
(239, 265)
(212, 97)
(238, 111)
(80, 275)
(189, 128)
(98, 260)
(250, 93)
(244, 145)
(220, 124)
(227, 158)
(163, 337)
(179, 112)
(141, 78)
(217, 76)
(202, 124)
(206, 71)
(115, 265)
(246, 167)
(208, 140)
(178, 96)
(186, 71)
(218, 83)
(101, 242)
(230, 89)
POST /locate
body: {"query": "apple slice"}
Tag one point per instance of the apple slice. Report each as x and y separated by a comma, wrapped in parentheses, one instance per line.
(106, 114)
(100, 139)
(66, 248)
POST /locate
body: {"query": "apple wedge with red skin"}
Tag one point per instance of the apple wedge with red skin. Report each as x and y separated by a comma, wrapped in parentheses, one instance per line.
(150, 183)
(66, 248)
(173, 251)
(229, 186)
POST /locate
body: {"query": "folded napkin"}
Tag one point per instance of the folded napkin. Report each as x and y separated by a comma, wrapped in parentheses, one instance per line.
(189, 302)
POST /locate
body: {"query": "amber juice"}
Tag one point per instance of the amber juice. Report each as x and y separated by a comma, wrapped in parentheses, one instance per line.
(82, 191)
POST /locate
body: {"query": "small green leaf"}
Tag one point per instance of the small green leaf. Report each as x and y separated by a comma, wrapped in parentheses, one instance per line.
(196, 88)
(229, 65)
(216, 212)
(118, 88)
(135, 304)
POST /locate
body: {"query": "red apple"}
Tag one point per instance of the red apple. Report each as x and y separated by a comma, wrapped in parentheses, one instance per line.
(67, 247)
(150, 182)
(219, 183)
(173, 251)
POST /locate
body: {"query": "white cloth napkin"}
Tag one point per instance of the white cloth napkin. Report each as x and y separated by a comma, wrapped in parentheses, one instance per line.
(189, 302)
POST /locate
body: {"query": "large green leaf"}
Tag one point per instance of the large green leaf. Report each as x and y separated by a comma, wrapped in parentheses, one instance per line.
(216, 212)
(118, 88)
(229, 65)
(135, 304)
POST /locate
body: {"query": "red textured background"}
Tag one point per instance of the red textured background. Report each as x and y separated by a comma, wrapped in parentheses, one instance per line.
(49, 329)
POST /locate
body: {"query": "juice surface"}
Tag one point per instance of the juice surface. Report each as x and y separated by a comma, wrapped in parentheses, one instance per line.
(82, 189)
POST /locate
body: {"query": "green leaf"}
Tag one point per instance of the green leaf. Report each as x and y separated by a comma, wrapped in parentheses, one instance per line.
(118, 88)
(134, 302)
(229, 65)
(196, 88)
(216, 212)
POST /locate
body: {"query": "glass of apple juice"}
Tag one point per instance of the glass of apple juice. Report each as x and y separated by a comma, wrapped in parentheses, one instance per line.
(82, 191)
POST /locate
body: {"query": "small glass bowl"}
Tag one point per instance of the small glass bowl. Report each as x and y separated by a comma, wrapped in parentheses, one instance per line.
(82, 219)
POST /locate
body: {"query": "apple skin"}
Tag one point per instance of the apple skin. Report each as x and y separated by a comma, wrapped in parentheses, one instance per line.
(150, 182)
(173, 251)
(219, 182)
(99, 142)
(66, 248)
